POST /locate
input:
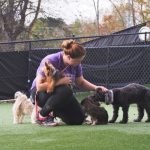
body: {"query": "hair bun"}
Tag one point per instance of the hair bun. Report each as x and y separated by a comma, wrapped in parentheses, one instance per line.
(67, 44)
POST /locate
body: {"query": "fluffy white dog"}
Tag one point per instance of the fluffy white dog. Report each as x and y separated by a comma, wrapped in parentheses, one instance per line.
(22, 106)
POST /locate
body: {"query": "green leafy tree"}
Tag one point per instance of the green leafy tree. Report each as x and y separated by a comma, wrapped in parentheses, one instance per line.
(13, 17)
(50, 28)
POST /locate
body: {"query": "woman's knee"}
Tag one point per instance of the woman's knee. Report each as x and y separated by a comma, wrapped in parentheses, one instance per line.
(71, 116)
(76, 120)
(64, 91)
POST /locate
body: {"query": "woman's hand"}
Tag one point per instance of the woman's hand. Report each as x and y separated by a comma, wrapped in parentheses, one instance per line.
(65, 80)
(101, 89)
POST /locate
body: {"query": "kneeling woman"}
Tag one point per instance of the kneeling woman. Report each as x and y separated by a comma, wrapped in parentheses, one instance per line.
(61, 102)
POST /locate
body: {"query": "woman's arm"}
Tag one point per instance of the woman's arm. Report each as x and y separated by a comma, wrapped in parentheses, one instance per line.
(83, 83)
(41, 84)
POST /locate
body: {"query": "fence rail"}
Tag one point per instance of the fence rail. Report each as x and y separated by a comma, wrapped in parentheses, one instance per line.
(114, 63)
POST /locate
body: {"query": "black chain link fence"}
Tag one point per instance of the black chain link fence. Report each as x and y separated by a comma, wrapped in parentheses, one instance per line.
(110, 61)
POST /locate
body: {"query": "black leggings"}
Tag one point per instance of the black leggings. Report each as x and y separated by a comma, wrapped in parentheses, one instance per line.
(63, 104)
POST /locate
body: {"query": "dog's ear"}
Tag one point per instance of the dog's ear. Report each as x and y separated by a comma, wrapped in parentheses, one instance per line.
(96, 103)
(83, 101)
(46, 65)
(17, 94)
(93, 101)
(99, 96)
(48, 69)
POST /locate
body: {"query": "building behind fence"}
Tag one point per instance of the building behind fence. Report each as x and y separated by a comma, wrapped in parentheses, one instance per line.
(111, 65)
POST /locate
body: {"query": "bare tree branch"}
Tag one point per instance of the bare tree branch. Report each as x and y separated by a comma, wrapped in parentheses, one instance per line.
(133, 12)
(13, 15)
(122, 20)
(20, 27)
(141, 12)
(96, 7)
(35, 17)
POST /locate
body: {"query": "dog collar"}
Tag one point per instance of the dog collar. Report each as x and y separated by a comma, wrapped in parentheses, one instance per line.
(112, 96)
(109, 97)
(55, 71)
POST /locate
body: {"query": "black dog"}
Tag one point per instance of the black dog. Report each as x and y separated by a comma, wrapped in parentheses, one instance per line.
(98, 114)
(123, 97)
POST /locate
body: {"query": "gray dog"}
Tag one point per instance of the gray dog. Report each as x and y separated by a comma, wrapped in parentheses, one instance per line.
(123, 97)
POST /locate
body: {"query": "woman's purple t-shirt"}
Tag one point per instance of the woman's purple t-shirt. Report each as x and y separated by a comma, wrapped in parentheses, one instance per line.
(57, 60)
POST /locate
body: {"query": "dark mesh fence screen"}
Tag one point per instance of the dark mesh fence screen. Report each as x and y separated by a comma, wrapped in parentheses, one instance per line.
(111, 66)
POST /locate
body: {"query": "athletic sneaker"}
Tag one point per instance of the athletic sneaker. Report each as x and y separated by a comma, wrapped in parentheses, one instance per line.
(46, 121)
(49, 121)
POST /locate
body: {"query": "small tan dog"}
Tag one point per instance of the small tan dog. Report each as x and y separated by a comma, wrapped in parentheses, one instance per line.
(22, 106)
(52, 76)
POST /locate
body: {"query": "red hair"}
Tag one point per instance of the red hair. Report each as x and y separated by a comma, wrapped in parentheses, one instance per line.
(73, 49)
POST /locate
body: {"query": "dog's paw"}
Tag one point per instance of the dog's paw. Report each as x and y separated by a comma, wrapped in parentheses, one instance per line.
(111, 121)
(33, 122)
(137, 120)
(148, 120)
(87, 122)
(123, 122)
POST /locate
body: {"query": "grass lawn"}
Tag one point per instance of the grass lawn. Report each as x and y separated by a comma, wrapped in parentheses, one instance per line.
(131, 136)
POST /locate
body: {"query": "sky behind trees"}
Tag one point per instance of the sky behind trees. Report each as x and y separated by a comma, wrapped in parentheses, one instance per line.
(83, 17)
(69, 10)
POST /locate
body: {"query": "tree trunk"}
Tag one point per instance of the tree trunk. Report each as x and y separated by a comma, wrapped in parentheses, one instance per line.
(133, 12)
(96, 7)
(122, 20)
(13, 15)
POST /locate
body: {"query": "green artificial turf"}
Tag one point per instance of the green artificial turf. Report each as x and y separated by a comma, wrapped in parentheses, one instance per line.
(131, 136)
